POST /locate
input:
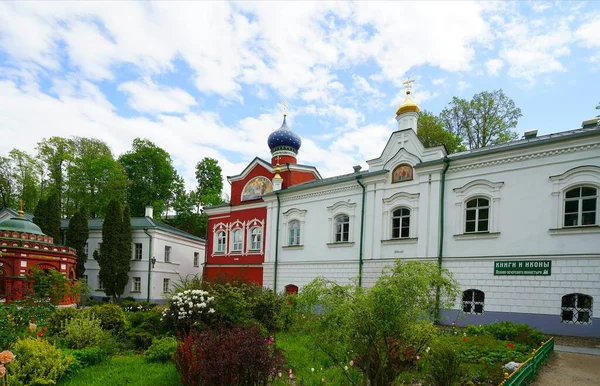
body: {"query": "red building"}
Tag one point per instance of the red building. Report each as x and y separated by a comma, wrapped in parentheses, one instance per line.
(24, 246)
(235, 249)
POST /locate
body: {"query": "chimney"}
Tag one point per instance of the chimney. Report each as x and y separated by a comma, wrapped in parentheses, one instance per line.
(530, 134)
(357, 168)
(149, 211)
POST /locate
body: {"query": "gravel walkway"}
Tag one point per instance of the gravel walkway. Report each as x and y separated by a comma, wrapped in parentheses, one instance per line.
(565, 369)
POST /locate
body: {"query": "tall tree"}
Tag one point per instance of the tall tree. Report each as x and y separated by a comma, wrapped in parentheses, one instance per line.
(112, 273)
(210, 182)
(77, 236)
(53, 217)
(7, 184)
(431, 132)
(487, 119)
(151, 176)
(126, 244)
(40, 214)
(55, 154)
(19, 180)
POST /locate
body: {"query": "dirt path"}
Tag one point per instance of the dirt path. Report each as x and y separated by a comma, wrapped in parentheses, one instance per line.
(565, 369)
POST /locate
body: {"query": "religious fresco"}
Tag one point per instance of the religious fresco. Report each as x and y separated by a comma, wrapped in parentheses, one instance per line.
(256, 188)
(402, 173)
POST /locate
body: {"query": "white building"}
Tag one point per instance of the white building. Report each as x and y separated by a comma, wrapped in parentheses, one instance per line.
(517, 224)
(161, 255)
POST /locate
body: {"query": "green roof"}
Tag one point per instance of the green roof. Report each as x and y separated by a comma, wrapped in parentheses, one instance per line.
(19, 224)
(139, 223)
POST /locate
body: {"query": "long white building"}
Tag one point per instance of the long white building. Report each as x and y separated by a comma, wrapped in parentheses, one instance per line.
(517, 224)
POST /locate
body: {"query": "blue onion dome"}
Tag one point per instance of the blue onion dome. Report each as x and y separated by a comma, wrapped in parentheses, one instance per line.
(284, 139)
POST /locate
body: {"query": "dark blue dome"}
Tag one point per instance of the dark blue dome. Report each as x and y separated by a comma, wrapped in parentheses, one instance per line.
(284, 139)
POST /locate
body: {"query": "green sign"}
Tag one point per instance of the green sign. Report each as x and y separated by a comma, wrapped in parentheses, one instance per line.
(523, 267)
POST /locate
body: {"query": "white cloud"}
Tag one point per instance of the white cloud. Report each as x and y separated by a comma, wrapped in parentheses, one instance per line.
(438, 81)
(540, 6)
(462, 86)
(148, 97)
(494, 66)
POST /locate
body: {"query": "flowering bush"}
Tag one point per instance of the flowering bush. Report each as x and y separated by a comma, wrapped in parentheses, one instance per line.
(236, 356)
(58, 318)
(190, 308)
(16, 316)
(37, 362)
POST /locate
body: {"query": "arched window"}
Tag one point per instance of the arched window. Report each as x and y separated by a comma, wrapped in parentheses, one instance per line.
(581, 206)
(477, 215)
(294, 232)
(401, 223)
(342, 228)
(576, 308)
(291, 289)
(237, 241)
(256, 239)
(473, 301)
(221, 241)
(2, 282)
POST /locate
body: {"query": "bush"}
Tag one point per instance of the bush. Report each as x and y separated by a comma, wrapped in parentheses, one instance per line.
(233, 356)
(86, 331)
(37, 362)
(190, 308)
(112, 318)
(90, 356)
(58, 319)
(133, 306)
(518, 333)
(162, 350)
(445, 364)
(16, 316)
(139, 339)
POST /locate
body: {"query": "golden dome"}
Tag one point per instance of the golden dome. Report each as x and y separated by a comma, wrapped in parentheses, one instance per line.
(408, 106)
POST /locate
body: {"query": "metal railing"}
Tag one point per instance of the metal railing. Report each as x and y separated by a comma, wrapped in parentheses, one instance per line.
(527, 371)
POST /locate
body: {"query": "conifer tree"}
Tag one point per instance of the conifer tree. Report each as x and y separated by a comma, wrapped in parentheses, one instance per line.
(125, 256)
(53, 217)
(77, 235)
(40, 214)
(111, 269)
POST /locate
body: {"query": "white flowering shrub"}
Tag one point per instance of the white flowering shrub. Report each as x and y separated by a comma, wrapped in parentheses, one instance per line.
(189, 308)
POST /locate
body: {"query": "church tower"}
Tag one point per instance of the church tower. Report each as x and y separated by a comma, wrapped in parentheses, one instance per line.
(408, 112)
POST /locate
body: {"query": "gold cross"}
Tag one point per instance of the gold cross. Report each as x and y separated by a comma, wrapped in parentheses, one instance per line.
(408, 83)
(285, 108)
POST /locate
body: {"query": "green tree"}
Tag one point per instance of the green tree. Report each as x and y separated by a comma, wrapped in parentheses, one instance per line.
(112, 273)
(151, 176)
(19, 180)
(77, 236)
(55, 154)
(487, 119)
(53, 217)
(7, 185)
(431, 132)
(126, 244)
(40, 214)
(210, 182)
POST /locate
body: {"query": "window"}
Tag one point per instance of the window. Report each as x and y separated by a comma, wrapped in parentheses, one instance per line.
(221, 242)
(294, 233)
(85, 277)
(166, 283)
(477, 215)
(137, 284)
(256, 239)
(237, 241)
(342, 228)
(138, 252)
(85, 249)
(2, 282)
(576, 308)
(196, 259)
(581, 206)
(100, 284)
(472, 301)
(167, 254)
(400, 223)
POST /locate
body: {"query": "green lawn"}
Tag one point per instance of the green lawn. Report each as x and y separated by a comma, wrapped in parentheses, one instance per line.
(130, 370)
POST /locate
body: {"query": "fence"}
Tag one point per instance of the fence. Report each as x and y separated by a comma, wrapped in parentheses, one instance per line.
(526, 372)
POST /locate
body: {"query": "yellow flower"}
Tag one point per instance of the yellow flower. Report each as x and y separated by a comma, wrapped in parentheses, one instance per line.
(2, 371)
(6, 357)
(32, 327)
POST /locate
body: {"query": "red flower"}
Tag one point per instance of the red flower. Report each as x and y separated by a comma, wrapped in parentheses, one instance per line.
(43, 329)
(464, 338)
(39, 334)
(32, 320)
(509, 344)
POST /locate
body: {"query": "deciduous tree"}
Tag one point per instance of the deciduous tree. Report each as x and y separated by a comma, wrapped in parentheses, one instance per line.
(431, 132)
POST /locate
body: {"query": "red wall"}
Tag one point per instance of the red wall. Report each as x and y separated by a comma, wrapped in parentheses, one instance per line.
(231, 274)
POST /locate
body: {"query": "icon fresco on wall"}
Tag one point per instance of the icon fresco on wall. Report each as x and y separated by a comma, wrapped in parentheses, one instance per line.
(402, 173)
(256, 188)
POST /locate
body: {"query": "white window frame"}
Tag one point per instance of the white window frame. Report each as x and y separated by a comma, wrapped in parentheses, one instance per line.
(394, 202)
(220, 248)
(293, 214)
(135, 251)
(240, 242)
(86, 249)
(136, 284)
(166, 285)
(251, 239)
(294, 233)
(477, 209)
(478, 189)
(585, 175)
(196, 259)
(576, 310)
(100, 284)
(472, 302)
(167, 253)
(580, 200)
(340, 222)
(400, 218)
(335, 210)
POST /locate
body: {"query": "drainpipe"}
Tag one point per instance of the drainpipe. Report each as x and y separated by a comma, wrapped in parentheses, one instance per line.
(441, 240)
(276, 243)
(149, 262)
(362, 228)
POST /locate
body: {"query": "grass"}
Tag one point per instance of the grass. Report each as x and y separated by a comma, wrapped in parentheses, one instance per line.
(131, 370)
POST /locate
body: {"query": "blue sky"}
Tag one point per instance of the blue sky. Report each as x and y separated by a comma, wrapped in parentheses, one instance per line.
(208, 79)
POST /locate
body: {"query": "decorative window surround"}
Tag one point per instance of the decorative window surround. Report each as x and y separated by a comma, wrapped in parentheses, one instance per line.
(290, 215)
(478, 188)
(395, 201)
(341, 208)
(579, 176)
(219, 227)
(236, 226)
(293, 247)
(474, 236)
(406, 240)
(341, 244)
(574, 230)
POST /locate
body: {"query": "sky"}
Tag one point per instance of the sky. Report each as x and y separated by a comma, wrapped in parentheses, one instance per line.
(208, 79)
